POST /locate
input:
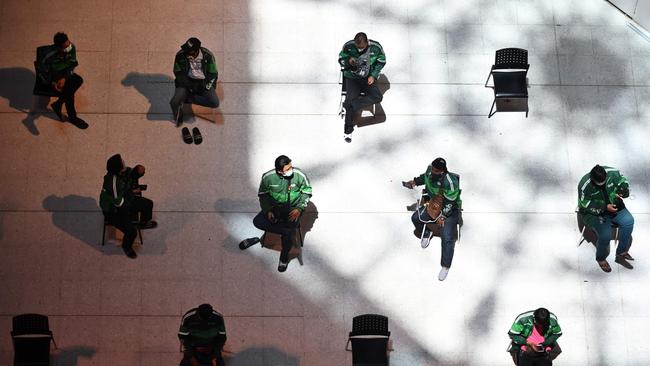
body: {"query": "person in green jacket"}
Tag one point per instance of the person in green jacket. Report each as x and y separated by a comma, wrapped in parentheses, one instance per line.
(600, 202)
(203, 334)
(284, 194)
(362, 61)
(534, 337)
(195, 69)
(438, 181)
(122, 203)
(56, 68)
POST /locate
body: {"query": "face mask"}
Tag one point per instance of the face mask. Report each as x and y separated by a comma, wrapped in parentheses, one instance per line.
(68, 49)
(288, 173)
(361, 50)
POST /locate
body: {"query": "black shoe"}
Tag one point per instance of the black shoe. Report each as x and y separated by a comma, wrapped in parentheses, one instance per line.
(80, 123)
(247, 243)
(282, 266)
(198, 139)
(56, 107)
(148, 225)
(130, 253)
(623, 262)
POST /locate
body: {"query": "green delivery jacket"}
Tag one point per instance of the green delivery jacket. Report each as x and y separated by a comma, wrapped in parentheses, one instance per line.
(182, 67)
(522, 328)
(197, 332)
(376, 58)
(116, 191)
(56, 65)
(450, 185)
(278, 191)
(591, 202)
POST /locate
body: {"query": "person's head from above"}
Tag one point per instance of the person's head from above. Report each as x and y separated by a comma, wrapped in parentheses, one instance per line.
(62, 42)
(139, 170)
(598, 175)
(283, 166)
(542, 320)
(361, 41)
(438, 167)
(192, 47)
(115, 165)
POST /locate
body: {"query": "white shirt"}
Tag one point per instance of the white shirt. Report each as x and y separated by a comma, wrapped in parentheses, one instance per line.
(196, 70)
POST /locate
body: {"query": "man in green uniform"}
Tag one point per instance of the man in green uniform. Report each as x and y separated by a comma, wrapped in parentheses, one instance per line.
(203, 334)
(362, 61)
(534, 337)
(56, 68)
(284, 193)
(600, 202)
(439, 182)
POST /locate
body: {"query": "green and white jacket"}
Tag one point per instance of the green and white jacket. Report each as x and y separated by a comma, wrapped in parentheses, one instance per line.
(450, 185)
(591, 201)
(522, 328)
(374, 56)
(276, 190)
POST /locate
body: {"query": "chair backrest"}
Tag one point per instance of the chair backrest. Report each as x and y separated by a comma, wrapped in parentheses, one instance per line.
(511, 58)
(370, 324)
(31, 337)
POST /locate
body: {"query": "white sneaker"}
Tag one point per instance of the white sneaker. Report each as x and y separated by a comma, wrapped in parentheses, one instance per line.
(443, 273)
(426, 238)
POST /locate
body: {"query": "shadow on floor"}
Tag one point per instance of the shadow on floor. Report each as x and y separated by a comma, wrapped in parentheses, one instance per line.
(70, 356)
(85, 226)
(374, 114)
(261, 356)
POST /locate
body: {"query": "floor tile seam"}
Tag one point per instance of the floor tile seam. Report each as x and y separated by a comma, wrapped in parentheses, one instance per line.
(571, 212)
(174, 316)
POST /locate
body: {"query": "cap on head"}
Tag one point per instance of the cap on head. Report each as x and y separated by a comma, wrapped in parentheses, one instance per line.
(114, 164)
(440, 164)
(204, 311)
(542, 317)
(280, 162)
(598, 175)
(60, 38)
(192, 44)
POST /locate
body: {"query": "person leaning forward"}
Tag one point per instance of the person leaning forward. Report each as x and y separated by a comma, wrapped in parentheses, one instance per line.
(284, 193)
(533, 337)
(122, 203)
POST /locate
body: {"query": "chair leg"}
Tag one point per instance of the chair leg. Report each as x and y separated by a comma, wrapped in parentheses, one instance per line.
(582, 235)
(615, 236)
(104, 233)
(140, 235)
(491, 108)
(487, 80)
(300, 242)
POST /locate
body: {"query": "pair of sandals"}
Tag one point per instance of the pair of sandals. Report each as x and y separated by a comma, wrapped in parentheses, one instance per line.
(194, 137)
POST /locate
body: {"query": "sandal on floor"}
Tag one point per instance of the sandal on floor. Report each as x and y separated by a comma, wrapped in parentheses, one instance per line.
(198, 139)
(605, 266)
(187, 136)
(246, 243)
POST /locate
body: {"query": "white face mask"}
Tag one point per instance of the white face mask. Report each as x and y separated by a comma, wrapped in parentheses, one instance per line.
(360, 50)
(68, 49)
(288, 173)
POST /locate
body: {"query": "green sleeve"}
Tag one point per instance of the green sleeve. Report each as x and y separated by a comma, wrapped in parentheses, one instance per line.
(344, 56)
(266, 202)
(622, 186)
(556, 332)
(305, 194)
(379, 64)
(515, 333)
(595, 207)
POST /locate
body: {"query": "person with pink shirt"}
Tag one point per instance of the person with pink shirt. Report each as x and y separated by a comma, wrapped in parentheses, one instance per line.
(534, 337)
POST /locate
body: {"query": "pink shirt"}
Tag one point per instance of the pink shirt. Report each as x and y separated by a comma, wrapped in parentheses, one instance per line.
(535, 338)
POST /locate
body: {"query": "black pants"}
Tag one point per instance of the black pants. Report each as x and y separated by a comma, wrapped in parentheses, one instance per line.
(287, 229)
(125, 216)
(72, 84)
(206, 98)
(354, 102)
(529, 359)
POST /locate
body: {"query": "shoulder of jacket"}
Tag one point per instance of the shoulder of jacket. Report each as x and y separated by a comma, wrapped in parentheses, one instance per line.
(207, 52)
(348, 44)
(268, 175)
(374, 43)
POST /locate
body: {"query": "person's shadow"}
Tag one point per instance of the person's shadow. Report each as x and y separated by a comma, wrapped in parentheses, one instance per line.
(376, 113)
(83, 227)
(17, 87)
(260, 356)
(70, 356)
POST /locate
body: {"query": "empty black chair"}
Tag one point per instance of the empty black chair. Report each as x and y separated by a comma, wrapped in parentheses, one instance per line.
(369, 339)
(31, 337)
(510, 85)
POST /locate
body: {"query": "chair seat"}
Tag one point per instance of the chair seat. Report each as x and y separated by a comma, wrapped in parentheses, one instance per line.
(510, 84)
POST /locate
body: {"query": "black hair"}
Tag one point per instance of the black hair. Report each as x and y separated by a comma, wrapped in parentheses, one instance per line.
(204, 311)
(280, 162)
(360, 37)
(114, 164)
(60, 38)
(542, 317)
(598, 174)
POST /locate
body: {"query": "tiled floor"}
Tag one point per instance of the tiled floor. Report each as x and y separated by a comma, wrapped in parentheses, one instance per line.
(589, 78)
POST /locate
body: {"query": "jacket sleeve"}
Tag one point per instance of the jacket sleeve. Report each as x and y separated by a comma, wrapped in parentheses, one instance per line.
(117, 197)
(266, 201)
(71, 65)
(595, 207)
(556, 332)
(622, 186)
(212, 73)
(450, 195)
(379, 64)
(515, 333)
(179, 73)
(344, 56)
(305, 194)
(419, 180)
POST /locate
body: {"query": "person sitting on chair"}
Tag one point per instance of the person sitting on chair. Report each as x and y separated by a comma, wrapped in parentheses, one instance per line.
(56, 68)
(196, 75)
(122, 203)
(443, 208)
(362, 61)
(202, 334)
(534, 337)
(284, 193)
(600, 201)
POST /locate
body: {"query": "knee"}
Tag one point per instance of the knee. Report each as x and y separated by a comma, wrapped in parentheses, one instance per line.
(76, 79)
(259, 221)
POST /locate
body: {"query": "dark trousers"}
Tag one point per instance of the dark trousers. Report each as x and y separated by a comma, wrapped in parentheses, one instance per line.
(287, 229)
(354, 102)
(72, 84)
(529, 359)
(140, 209)
(206, 98)
(447, 236)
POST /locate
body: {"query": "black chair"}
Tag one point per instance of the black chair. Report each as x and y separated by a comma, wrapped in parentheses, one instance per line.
(41, 87)
(31, 336)
(137, 227)
(369, 339)
(510, 85)
(272, 241)
(589, 234)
